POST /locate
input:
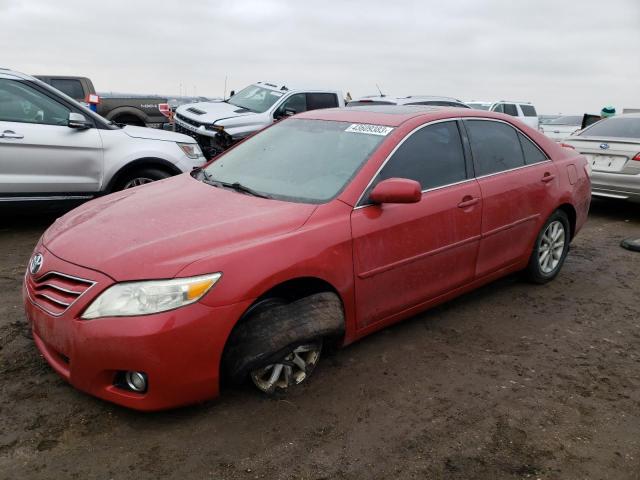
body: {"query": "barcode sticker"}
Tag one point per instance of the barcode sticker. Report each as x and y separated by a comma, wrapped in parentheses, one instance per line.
(369, 129)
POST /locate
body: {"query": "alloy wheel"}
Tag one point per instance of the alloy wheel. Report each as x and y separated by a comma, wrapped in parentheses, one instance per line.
(293, 369)
(134, 182)
(551, 247)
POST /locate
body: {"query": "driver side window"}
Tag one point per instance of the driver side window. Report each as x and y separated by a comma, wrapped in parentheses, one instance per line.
(296, 102)
(21, 103)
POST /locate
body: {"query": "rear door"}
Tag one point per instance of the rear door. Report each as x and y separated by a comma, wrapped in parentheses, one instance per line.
(406, 254)
(517, 181)
(321, 100)
(39, 153)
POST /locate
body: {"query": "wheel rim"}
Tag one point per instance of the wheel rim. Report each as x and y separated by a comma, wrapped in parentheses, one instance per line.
(134, 182)
(551, 247)
(293, 369)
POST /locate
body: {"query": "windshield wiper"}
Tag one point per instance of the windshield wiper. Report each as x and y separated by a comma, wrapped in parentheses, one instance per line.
(237, 186)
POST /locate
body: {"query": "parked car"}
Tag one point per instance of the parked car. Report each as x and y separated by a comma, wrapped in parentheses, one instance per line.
(612, 147)
(54, 149)
(560, 128)
(218, 125)
(323, 227)
(409, 100)
(125, 108)
(523, 111)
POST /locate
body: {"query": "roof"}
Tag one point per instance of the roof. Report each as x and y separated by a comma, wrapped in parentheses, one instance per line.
(405, 99)
(284, 88)
(388, 115)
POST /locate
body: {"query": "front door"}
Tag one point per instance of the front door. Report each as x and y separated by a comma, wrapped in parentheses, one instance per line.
(406, 254)
(39, 153)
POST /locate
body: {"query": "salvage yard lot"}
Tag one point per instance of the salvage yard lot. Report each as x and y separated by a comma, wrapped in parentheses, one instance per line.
(511, 381)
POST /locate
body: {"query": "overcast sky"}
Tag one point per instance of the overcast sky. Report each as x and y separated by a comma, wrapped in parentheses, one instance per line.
(565, 56)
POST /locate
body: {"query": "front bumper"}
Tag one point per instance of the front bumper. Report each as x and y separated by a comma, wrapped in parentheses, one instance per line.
(179, 350)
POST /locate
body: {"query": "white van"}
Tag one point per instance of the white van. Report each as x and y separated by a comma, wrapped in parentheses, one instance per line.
(524, 111)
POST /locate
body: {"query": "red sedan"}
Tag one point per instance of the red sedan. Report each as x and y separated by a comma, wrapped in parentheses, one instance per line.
(324, 227)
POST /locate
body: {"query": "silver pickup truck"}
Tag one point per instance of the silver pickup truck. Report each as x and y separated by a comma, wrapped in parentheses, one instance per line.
(218, 125)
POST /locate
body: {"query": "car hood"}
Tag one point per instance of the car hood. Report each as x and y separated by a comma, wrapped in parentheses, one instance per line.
(212, 111)
(156, 230)
(156, 134)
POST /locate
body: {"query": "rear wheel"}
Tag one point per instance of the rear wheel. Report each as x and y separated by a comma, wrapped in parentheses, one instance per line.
(550, 250)
(141, 176)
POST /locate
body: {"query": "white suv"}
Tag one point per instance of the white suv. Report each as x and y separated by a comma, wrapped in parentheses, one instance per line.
(54, 149)
(524, 111)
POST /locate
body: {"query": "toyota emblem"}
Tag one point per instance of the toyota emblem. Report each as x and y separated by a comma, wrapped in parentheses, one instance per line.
(604, 146)
(36, 263)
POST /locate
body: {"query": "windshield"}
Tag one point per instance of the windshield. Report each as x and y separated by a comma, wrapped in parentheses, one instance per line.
(617, 127)
(566, 120)
(479, 106)
(255, 98)
(299, 160)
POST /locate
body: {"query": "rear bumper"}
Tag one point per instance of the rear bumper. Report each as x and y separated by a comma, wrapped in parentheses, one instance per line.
(615, 185)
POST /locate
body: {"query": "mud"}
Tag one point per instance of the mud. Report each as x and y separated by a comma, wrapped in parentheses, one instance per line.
(511, 381)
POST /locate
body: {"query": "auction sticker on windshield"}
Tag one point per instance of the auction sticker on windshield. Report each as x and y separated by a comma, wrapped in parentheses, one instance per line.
(369, 129)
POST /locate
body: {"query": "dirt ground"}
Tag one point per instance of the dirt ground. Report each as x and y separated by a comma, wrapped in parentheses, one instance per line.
(511, 381)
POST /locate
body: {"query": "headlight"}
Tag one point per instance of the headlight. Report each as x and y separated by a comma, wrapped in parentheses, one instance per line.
(142, 298)
(191, 150)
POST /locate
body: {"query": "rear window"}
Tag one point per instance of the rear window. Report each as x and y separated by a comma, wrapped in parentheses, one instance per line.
(479, 106)
(566, 120)
(529, 110)
(68, 86)
(617, 127)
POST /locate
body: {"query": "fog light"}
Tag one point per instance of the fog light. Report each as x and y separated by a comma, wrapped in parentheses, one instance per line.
(136, 381)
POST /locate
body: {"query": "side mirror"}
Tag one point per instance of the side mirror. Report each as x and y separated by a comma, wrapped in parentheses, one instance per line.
(396, 190)
(283, 112)
(232, 93)
(79, 121)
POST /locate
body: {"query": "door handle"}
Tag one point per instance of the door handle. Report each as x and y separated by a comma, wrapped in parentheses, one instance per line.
(10, 134)
(468, 201)
(548, 177)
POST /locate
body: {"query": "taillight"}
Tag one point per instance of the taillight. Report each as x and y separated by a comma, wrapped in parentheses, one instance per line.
(637, 157)
(566, 145)
(165, 109)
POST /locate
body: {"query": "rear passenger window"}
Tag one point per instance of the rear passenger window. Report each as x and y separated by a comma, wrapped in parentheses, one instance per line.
(432, 156)
(529, 110)
(532, 154)
(511, 109)
(494, 145)
(69, 86)
(498, 108)
(321, 100)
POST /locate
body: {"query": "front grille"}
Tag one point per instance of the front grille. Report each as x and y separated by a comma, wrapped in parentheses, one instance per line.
(55, 292)
(188, 120)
